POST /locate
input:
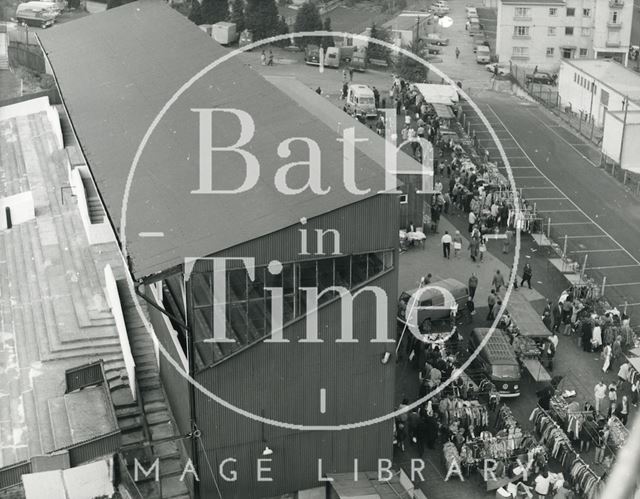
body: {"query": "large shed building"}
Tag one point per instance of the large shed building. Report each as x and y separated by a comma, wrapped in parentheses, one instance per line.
(116, 71)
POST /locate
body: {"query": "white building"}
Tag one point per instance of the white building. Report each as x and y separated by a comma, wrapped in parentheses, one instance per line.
(543, 32)
(607, 93)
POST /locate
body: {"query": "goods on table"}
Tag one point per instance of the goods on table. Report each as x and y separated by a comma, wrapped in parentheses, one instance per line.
(451, 455)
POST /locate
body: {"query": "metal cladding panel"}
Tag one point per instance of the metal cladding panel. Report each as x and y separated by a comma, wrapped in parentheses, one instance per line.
(283, 382)
(368, 225)
(295, 464)
(175, 386)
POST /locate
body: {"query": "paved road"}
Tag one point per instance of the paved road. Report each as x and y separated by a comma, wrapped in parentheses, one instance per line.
(559, 173)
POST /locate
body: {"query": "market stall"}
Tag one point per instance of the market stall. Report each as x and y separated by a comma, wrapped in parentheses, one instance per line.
(559, 445)
(444, 113)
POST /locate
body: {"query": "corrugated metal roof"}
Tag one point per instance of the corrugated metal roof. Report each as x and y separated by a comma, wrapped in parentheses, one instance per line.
(117, 69)
(498, 346)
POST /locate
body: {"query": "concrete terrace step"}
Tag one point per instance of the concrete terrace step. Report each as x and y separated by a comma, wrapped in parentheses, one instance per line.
(59, 422)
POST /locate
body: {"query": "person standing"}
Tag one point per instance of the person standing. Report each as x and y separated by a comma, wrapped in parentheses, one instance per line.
(350, 74)
(542, 484)
(457, 243)
(473, 285)
(498, 281)
(376, 97)
(491, 303)
(623, 412)
(446, 244)
(601, 443)
(482, 247)
(270, 63)
(506, 244)
(613, 399)
(600, 393)
(635, 389)
(606, 357)
(472, 221)
(263, 58)
(474, 245)
(616, 350)
(527, 273)
(457, 52)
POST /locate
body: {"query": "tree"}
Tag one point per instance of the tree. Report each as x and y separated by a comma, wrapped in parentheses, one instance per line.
(214, 11)
(195, 14)
(237, 15)
(410, 69)
(327, 41)
(283, 28)
(261, 18)
(374, 50)
(308, 19)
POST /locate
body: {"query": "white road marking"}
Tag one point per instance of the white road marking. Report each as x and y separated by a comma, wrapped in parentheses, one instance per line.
(323, 400)
(622, 248)
(561, 138)
(525, 176)
(559, 211)
(571, 223)
(546, 199)
(151, 234)
(597, 250)
(611, 267)
(538, 187)
(584, 237)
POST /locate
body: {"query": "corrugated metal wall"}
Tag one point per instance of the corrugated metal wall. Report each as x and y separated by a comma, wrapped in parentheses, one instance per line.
(412, 211)
(283, 382)
(175, 386)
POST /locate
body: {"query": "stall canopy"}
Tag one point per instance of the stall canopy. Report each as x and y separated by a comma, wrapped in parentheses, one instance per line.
(443, 111)
(526, 318)
(438, 94)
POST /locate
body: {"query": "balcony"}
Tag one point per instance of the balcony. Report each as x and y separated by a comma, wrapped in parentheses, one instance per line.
(611, 25)
(616, 4)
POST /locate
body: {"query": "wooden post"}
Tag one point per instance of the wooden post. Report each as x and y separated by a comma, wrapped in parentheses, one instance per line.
(584, 266)
(564, 248)
(626, 304)
(624, 179)
(549, 229)
(604, 283)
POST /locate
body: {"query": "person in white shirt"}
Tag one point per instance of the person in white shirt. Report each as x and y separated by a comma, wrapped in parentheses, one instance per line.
(438, 186)
(600, 392)
(472, 220)
(623, 373)
(446, 244)
(543, 484)
(554, 340)
(596, 337)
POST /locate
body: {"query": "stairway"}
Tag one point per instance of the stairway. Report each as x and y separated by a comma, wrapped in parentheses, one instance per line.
(96, 212)
(68, 138)
(155, 420)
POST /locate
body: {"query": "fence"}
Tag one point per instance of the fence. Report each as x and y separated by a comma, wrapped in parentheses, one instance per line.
(11, 475)
(28, 56)
(82, 376)
(89, 450)
(629, 179)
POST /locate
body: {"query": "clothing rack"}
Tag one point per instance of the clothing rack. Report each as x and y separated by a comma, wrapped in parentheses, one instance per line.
(595, 475)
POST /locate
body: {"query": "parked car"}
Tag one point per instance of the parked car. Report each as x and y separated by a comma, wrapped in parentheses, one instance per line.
(432, 49)
(42, 14)
(440, 8)
(499, 70)
(479, 43)
(432, 297)
(542, 77)
(312, 55)
(471, 12)
(483, 54)
(437, 39)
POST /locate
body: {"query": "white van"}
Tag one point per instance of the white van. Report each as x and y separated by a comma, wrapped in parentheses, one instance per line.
(42, 14)
(483, 54)
(360, 102)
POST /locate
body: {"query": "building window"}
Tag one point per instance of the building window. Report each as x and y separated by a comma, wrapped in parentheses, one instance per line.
(404, 198)
(550, 51)
(553, 11)
(583, 52)
(585, 31)
(521, 31)
(568, 30)
(571, 12)
(566, 53)
(594, 88)
(604, 97)
(586, 12)
(551, 31)
(615, 17)
(248, 303)
(520, 52)
(522, 12)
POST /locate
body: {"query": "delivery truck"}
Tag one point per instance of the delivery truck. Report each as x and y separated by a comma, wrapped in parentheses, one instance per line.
(224, 33)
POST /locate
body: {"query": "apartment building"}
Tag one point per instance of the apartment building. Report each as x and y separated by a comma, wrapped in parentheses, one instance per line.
(543, 32)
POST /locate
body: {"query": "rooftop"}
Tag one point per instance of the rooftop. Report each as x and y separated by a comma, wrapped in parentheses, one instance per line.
(611, 74)
(118, 79)
(52, 305)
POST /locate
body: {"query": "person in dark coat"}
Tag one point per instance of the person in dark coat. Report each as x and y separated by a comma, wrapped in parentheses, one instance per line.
(431, 431)
(587, 330)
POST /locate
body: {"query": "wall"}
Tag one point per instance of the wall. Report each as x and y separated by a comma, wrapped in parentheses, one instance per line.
(96, 232)
(283, 381)
(116, 309)
(21, 206)
(612, 139)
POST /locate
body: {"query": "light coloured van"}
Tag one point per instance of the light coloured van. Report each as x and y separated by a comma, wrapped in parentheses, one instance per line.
(42, 14)
(483, 54)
